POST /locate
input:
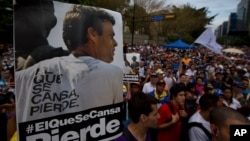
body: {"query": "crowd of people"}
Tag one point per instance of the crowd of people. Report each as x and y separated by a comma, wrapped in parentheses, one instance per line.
(189, 85)
(7, 88)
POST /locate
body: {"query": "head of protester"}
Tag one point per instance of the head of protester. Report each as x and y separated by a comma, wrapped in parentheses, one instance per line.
(221, 118)
(134, 87)
(160, 93)
(177, 93)
(143, 114)
(88, 31)
(228, 99)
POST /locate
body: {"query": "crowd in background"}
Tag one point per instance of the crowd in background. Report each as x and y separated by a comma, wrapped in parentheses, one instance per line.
(195, 82)
(198, 68)
(7, 87)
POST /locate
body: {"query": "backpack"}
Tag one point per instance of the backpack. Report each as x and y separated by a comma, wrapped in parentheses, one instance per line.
(195, 124)
(171, 107)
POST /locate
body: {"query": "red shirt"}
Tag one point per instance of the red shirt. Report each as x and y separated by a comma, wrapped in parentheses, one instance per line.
(172, 133)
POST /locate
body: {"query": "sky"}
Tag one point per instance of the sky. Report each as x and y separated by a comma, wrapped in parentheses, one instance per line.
(221, 7)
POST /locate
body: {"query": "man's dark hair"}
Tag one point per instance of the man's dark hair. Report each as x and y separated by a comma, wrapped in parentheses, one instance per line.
(77, 21)
(182, 74)
(140, 103)
(220, 115)
(198, 78)
(226, 87)
(11, 70)
(176, 89)
(207, 101)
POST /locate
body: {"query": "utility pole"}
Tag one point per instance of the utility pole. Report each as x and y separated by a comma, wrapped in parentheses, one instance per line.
(133, 27)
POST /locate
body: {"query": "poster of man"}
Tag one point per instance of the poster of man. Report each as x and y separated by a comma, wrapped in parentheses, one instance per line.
(133, 59)
(75, 96)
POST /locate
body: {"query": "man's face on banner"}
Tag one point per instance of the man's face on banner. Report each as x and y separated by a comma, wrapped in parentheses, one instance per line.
(106, 43)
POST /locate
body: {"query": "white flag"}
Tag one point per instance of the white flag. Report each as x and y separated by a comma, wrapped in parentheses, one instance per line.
(131, 3)
(208, 39)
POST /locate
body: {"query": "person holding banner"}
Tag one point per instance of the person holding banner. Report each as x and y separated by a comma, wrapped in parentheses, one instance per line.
(76, 97)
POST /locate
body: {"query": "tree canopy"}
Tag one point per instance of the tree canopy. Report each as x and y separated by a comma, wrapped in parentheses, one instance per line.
(189, 22)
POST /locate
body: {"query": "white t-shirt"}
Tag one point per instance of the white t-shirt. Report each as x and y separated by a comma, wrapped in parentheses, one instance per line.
(73, 91)
(196, 133)
(190, 72)
(142, 72)
(148, 87)
(169, 81)
(235, 104)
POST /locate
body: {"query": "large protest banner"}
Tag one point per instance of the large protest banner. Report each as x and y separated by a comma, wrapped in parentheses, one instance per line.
(63, 98)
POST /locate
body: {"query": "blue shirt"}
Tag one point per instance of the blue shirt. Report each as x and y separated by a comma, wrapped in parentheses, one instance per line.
(2, 83)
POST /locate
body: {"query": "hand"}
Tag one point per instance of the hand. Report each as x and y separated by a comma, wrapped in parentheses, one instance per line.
(202, 93)
(175, 118)
(183, 113)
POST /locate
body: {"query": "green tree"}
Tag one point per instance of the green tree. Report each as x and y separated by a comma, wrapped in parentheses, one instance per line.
(189, 22)
(150, 5)
(116, 5)
(140, 17)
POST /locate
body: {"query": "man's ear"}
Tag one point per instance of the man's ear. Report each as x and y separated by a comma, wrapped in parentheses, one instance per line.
(143, 117)
(214, 129)
(91, 34)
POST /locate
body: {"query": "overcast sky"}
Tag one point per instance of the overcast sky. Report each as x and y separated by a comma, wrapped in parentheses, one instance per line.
(221, 7)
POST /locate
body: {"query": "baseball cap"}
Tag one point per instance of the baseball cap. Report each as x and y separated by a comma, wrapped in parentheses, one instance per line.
(135, 83)
(153, 74)
(159, 71)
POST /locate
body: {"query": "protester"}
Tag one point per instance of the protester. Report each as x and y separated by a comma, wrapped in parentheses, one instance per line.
(160, 93)
(79, 84)
(190, 99)
(221, 118)
(186, 60)
(200, 88)
(245, 87)
(151, 85)
(169, 122)
(143, 113)
(10, 80)
(183, 79)
(228, 99)
(199, 125)
(217, 83)
(133, 88)
(169, 78)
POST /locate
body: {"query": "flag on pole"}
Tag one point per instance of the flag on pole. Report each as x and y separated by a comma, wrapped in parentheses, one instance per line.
(131, 3)
(208, 40)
